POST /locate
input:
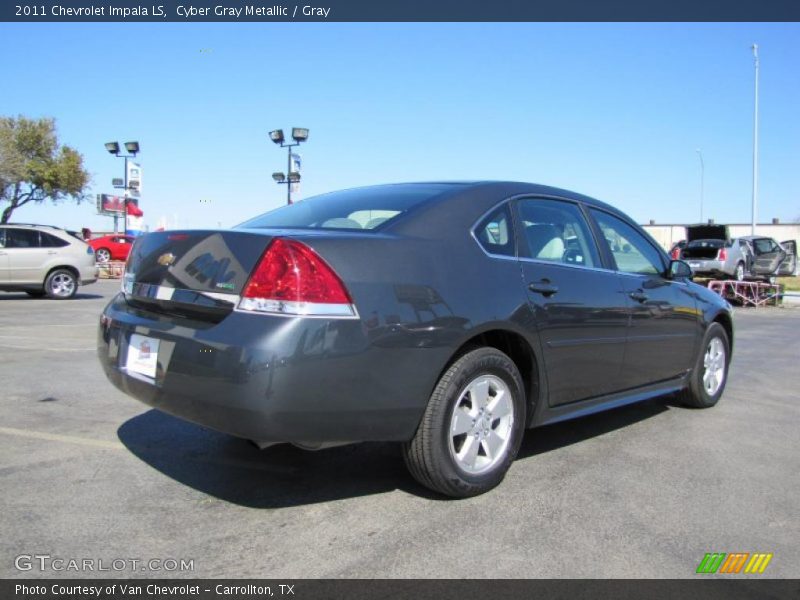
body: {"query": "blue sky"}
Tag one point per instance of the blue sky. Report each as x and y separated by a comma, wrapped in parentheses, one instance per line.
(610, 110)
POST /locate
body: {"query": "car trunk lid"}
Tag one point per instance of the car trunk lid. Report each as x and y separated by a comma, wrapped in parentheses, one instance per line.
(194, 273)
(706, 232)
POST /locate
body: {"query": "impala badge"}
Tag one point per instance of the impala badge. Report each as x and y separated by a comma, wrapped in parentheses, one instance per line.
(167, 259)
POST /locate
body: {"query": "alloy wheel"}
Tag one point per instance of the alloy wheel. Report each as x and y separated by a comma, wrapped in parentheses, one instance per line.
(62, 285)
(714, 366)
(481, 425)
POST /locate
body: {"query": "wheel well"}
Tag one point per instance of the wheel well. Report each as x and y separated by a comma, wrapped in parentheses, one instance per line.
(517, 348)
(724, 320)
(69, 268)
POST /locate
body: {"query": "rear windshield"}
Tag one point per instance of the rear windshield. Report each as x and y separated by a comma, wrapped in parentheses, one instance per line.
(356, 209)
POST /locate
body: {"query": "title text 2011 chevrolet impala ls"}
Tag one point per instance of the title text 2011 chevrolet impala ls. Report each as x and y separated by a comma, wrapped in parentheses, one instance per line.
(446, 316)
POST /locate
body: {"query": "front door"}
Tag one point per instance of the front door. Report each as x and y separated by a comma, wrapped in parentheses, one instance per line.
(580, 312)
(768, 256)
(665, 320)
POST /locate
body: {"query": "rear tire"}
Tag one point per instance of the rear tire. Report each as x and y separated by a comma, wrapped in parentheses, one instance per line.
(103, 255)
(61, 284)
(710, 373)
(472, 427)
(739, 273)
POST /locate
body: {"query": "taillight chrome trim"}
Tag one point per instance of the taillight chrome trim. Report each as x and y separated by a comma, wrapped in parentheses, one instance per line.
(149, 291)
(309, 310)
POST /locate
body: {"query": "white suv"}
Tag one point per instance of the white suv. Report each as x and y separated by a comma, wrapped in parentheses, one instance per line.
(44, 260)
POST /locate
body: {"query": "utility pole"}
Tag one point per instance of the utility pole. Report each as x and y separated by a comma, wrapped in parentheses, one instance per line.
(755, 145)
(702, 181)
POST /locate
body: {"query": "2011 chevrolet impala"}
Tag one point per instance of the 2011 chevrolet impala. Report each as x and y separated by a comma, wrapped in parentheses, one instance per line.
(446, 316)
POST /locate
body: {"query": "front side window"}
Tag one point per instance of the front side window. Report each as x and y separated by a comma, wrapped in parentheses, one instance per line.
(630, 249)
(765, 246)
(556, 231)
(495, 233)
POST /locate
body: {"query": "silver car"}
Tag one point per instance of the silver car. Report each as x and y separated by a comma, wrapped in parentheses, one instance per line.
(710, 252)
(43, 260)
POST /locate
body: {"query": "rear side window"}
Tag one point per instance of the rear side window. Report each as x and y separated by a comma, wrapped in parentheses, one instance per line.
(51, 241)
(495, 233)
(22, 238)
(556, 231)
(357, 209)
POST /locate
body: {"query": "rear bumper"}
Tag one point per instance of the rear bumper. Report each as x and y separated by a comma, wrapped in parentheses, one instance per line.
(89, 274)
(708, 267)
(273, 379)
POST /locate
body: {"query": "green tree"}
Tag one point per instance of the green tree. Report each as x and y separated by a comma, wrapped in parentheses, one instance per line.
(34, 168)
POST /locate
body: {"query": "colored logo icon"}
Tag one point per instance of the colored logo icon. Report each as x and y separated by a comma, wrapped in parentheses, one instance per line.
(737, 562)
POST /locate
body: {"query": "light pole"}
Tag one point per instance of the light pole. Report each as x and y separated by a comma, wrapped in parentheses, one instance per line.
(755, 145)
(702, 180)
(133, 150)
(299, 135)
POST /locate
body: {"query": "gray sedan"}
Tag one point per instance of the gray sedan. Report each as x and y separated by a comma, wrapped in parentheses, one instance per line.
(448, 317)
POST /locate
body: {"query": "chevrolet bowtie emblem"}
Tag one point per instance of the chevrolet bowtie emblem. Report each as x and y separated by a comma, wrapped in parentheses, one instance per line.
(167, 259)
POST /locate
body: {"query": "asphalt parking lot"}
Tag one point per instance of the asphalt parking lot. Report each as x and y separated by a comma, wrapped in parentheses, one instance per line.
(643, 491)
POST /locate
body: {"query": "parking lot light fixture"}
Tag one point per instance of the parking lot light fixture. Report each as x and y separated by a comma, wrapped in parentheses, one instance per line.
(132, 149)
(299, 135)
(277, 136)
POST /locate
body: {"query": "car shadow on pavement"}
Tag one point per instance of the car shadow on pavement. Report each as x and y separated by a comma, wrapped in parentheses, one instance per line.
(559, 435)
(235, 471)
(24, 296)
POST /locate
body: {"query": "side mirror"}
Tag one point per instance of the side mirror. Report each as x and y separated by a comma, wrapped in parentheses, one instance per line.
(679, 270)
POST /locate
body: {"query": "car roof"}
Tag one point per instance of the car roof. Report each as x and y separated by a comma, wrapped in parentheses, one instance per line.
(33, 225)
(516, 188)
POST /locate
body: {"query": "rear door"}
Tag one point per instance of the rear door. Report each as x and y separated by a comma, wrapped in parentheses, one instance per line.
(3, 257)
(27, 260)
(664, 326)
(580, 311)
(768, 256)
(789, 264)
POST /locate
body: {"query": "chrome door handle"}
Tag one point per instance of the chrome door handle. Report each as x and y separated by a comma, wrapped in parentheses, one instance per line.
(543, 287)
(639, 296)
(52, 252)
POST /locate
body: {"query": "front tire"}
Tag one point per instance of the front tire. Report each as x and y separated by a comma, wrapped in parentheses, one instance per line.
(472, 427)
(61, 284)
(710, 373)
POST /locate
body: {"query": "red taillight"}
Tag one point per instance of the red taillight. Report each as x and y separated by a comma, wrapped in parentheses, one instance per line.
(722, 254)
(291, 278)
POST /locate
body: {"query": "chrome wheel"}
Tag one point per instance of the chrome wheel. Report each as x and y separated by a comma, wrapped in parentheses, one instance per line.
(714, 366)
(103, 255)
(481, 425)
(740, 272)
(62, 285)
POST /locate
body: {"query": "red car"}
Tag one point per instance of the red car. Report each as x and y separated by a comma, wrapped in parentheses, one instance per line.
(112, 247)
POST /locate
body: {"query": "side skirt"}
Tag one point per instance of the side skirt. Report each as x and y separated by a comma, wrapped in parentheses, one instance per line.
(574, 410)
